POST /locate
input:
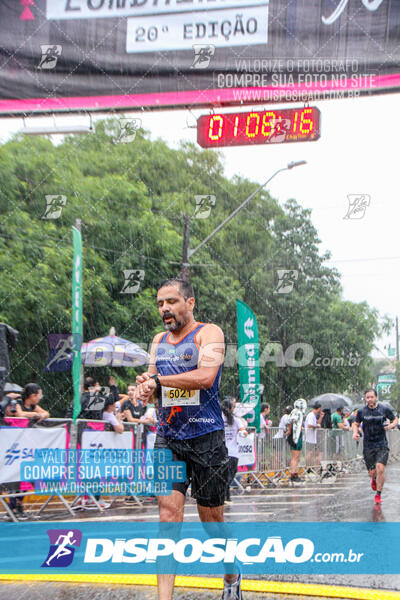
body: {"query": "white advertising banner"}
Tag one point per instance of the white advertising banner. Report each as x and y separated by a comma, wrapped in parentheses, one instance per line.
(107, 439)
(247, 451)
(220, 28)
(18, 445)
(101, 9)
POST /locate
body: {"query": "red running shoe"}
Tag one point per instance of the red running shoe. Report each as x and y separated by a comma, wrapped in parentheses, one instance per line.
(373, 483)
(378, 499)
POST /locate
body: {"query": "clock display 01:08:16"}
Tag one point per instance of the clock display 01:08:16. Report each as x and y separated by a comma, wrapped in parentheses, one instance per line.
(260, 127)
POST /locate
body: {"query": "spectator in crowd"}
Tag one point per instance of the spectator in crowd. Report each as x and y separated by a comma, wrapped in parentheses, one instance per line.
(131, 410)
(111, 416)
(9, 404)
(149, 420)
(326, 422)
(236, 408)
(279, 444)
(114, 391)
(312, 423)
(346, 415)
(86, 399)
(27, 407)
(265, 423)
(339, 421)
(233, 425)
(294, 436)
(93, 399)
(338, 426)
(283, 423)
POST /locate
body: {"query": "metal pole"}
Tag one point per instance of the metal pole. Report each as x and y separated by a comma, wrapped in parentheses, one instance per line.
(185, 249)
(397, 338)
(239, 208)
(78, 225)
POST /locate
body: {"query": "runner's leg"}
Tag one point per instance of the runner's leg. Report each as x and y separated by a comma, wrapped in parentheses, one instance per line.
(380, 476)
(214, 514)
(171, 511)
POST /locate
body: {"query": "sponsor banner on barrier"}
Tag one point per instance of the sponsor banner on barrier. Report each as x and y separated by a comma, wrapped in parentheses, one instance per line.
(107, 439)
(20, 444)
(190, 548)
(246, 450)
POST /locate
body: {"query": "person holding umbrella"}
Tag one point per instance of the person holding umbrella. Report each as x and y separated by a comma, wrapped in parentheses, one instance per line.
(376, 419)
(294, 436)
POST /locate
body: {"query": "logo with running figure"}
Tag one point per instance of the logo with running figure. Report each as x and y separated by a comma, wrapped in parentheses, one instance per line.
(286, 280)
(202, 55)
(63, 543)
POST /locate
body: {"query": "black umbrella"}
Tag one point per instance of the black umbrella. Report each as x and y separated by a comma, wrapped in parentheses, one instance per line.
(332, 401)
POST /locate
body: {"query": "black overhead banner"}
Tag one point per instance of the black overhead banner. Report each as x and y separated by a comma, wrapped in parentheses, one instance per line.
(62, 55)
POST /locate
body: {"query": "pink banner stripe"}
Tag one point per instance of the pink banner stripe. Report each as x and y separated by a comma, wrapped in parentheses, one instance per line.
(17, 421)
(200, 97)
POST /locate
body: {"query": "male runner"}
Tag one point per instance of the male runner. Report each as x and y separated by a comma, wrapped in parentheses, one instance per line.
(186, 364)
(375, 420)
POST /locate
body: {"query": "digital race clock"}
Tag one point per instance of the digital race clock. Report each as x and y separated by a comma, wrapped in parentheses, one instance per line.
(258, 127)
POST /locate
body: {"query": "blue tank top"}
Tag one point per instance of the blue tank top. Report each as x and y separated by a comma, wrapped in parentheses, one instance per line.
(184, 415)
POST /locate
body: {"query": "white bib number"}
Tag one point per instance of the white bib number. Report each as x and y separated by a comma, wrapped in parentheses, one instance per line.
(178, 397)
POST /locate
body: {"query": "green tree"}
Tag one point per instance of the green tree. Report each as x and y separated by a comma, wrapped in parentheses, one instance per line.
(132, 199)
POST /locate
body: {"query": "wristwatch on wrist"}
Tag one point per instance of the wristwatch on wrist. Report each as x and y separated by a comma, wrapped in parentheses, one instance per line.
(155, 377)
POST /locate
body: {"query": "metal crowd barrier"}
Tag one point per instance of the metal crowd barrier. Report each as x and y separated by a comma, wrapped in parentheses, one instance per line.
(75, 431)
(334, 452)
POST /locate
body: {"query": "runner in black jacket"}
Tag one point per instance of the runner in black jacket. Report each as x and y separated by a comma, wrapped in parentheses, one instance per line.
(376, 419)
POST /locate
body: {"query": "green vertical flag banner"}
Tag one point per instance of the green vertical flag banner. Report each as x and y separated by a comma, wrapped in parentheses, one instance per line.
(249, 365)
(76, 319)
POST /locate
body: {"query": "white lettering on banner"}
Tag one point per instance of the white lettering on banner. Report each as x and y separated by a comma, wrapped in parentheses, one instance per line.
(95, 9)
(246, 450)
(224, 28)
(191, 550)
(19, 444)
(107, 439)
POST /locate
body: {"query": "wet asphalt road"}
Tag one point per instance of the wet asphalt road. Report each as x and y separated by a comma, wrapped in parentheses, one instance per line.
(346, 498)
(63, 591)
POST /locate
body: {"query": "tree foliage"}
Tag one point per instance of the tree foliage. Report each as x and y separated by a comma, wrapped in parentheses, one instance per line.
(132, 199)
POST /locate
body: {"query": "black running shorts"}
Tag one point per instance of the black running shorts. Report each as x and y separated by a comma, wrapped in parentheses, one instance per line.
(206, 461)
(376, 455)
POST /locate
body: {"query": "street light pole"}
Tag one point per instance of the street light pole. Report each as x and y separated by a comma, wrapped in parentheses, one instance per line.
(185, 249)
(235, 212)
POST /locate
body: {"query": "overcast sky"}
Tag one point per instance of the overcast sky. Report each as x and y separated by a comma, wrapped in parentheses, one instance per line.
(357, 153)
